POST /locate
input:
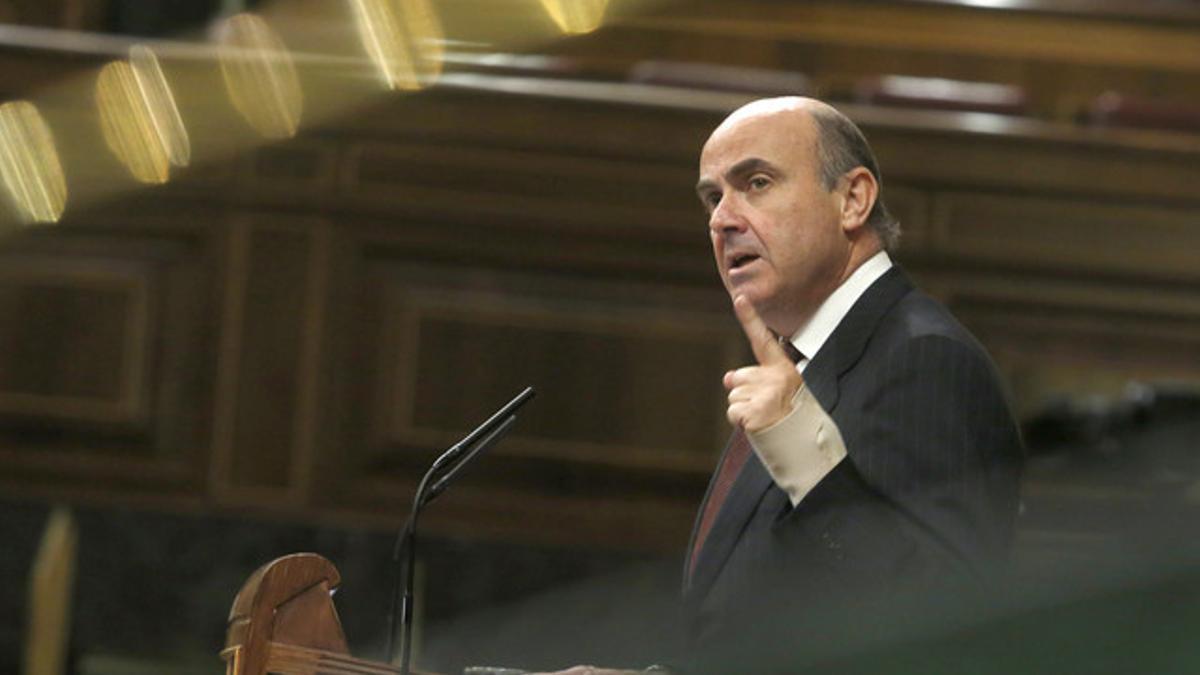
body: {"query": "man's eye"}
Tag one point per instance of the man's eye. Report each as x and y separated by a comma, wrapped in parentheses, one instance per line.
(712, 199)
(759, 182)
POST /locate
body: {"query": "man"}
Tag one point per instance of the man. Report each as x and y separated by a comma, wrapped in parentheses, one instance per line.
(873, 450)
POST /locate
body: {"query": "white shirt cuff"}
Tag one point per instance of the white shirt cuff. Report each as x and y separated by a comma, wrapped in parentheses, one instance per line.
(800, 449)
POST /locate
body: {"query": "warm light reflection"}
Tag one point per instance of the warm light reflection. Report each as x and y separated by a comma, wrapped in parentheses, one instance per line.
(576, 16)
(139, 118)
(29, 165)
(164, 113)
(404, 38)
(127, 124)
(260, 76)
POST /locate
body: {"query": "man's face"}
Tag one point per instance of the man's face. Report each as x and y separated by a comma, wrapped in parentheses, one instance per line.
(776, 232)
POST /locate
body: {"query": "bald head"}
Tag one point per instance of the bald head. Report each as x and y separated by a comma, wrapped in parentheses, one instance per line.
(788, 109)
(838, 143)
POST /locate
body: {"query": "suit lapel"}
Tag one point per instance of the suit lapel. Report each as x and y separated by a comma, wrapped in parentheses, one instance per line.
(846, 345)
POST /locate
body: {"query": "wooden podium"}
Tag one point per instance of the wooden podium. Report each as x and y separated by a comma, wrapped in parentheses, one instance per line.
(283, 621)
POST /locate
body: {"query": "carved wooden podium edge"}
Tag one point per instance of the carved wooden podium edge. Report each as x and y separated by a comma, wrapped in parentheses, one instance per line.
(283, 621)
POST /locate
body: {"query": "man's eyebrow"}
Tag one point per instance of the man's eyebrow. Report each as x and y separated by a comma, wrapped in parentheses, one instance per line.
(748, 166)
(740, 170)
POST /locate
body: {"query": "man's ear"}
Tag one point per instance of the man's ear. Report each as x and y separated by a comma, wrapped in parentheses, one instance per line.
(861, 191)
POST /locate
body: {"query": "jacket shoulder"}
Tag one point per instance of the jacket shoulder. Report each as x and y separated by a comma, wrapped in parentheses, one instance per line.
(917, 317)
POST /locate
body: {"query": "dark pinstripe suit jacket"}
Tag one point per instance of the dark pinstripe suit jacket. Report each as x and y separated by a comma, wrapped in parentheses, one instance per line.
(928, 490)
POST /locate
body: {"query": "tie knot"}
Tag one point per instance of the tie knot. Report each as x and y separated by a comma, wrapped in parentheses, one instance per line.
(790, 349)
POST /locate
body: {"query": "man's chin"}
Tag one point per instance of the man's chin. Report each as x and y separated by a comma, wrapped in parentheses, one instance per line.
(761, 306)
(772, 314)
(735, 292)
(751, 291)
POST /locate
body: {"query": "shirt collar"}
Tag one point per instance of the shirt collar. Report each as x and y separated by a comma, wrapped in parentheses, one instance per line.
(813, 334)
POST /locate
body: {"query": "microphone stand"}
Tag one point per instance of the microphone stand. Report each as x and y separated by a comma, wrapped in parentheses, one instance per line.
(443, 471)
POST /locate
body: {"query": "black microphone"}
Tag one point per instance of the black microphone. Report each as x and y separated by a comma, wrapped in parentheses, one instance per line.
(491, 423)
(483, 444)
(443, 471)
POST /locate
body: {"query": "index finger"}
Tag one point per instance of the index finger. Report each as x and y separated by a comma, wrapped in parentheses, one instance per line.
(762, 341)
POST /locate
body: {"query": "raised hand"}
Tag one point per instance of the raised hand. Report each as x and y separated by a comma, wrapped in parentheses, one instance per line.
(760, 395)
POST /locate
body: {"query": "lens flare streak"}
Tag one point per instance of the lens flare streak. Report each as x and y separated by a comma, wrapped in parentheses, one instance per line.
(260, 76)
(29, 164)
(127, 125)
(403, 38)
(575, 17)
(139, 119)
(164, 113)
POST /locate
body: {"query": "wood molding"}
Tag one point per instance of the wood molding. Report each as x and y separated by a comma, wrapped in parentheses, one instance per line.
(510, 307)
(1060, 234)
(120, 397)
(895, 25)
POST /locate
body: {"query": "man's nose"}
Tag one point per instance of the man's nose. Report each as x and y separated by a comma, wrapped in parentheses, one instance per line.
(727, 216)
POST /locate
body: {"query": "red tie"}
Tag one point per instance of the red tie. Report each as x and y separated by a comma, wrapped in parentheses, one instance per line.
(735, 458)
(790, 349)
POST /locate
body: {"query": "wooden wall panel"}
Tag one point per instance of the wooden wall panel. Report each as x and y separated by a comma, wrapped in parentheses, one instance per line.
(1064, 234)
(270, 354)
(616, 194)
(1062, 60)
(620, 125)
(944, 29)
(105, 376)
(455, 342)
(614, 383)
(304, 165)
(1039, 158)
(628, 373)
(75, 343)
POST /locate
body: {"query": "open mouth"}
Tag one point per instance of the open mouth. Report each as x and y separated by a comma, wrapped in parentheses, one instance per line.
(742, 260)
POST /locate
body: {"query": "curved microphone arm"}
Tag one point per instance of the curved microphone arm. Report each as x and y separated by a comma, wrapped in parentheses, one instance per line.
(443, 471)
